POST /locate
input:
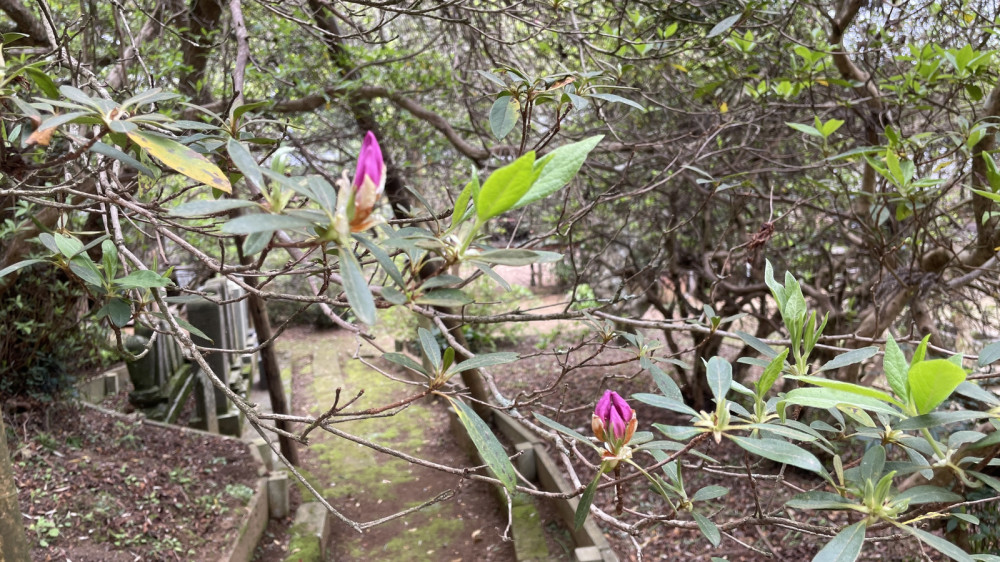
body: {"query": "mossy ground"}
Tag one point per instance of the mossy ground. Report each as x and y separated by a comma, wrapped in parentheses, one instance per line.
(354, 476)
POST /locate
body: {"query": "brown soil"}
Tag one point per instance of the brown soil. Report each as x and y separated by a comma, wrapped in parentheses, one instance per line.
(99, 488)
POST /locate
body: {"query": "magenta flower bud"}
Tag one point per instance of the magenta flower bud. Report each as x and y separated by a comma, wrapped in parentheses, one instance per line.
(369, 183)
(371, 166)
(612, 411)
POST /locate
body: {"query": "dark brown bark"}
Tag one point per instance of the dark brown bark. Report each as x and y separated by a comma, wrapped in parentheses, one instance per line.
(25, 21)
(203, 18)
(13, 544)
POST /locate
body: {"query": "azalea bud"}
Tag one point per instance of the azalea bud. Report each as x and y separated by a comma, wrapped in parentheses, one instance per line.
(369, 183)
(613, 412)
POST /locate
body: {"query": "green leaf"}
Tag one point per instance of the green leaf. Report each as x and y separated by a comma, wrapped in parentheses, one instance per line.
(872, 464)
(405, 361)
(845, 547)
(485, 360)
(665, 383)
(264, 222)
(209, 207)
(118, 311)
(77, 95)
(939, 544)
(245, 162)
(562, 429)
(707, 528)
(69, 246)
(849, 387)
(807, 129)
(709, 493)
(504, 115)
(921, 351)
(831, 398)
(677, 432)
(430, 347)
(355, 286)
(516, 257)
(469, 193)
(771, 373)
(86, 270)
(720, 377)
(758, 344)
(444, 297)
(666, 403)
(142, 279)
(19, 265)
(256, 242)
(937, 419)
(819, 500)
(895, 366)
(185, 325)
(109, 259)
(723, 26)
(931, 382)
(486, 443)
(112, 152)
(989, 354)
(558, 168)
(382, 257)
(780, 451)
(927, 494)
(849, 358)
(586, 500)
(505, 187)
(43, 81)
(614, 98)
(182, 159)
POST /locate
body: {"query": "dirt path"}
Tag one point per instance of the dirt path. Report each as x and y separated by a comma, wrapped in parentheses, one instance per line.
(366, 485)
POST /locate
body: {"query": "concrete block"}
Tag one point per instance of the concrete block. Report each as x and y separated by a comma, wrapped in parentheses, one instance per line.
(264, 452)
(309, 533)
(529, 539)
(245, 542)
(277, 494)
(110, 383)
(587, 554)
(231, 423)
(526, 462)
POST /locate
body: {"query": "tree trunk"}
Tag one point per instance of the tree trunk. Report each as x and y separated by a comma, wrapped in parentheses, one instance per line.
(13, 544)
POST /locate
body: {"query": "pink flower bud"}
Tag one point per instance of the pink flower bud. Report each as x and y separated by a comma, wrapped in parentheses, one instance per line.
(369, 183)
(612, 411)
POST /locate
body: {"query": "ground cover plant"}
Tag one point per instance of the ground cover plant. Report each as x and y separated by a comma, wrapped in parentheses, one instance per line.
(779, 217)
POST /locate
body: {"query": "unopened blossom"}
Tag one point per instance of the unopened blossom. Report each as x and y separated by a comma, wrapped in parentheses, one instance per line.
(368, 185)
(613, 421)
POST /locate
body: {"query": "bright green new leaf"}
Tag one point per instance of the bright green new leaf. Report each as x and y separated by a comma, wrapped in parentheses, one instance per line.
(505, 187)
(831, 398)
(771, 373)
(558, 168)
(807, 129)
(895, 367)
(845, 547)
(931, 382)
(851, 388)
(183, 159)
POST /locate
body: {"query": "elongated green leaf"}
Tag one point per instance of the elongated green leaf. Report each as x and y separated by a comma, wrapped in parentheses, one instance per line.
(143, 279)
(405, 361)
(614, 98)
(665, 383)
(504, 115)
(117, 310)
(807, 129)
(444, 297)
(970, 389)
(209, 207)
(562, 429)
(677, 432)
(720, 377)
(771, 373)
(86, 270)
(939, 544)
(723, 26)
(485, 360)
(780, 451)
(666, 403)
(182, 159)
(831, 398)
(927, 494)
(937, 419)
(586, 500)
(845, 547)
(486, 443)
(356, 287)
(505, 187)
(77, 95)
(245, 162)
(19, 265)
(931, 382)
(819, 500)
(558, 168)
(709, 493)
(516, 257)
(849, 358)
(849, 387)
(707, 528)
(895, 366)
(185, 325)
(989, 354)
(256, 242)
(59, 119)
(264, 222)
(382, 257)
(430, 347)
(757, 344)
(112, 152)
(782, 431)
(470, 193)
